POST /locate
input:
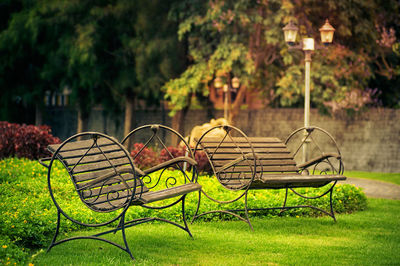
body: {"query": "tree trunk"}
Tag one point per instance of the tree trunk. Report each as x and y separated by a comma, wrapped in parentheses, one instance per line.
(178, 124)
(129, 122)
(38, 115)
(235, 106)
(83, 121)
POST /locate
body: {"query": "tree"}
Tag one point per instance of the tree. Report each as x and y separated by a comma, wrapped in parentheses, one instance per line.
(245, 39)
(104, 51)
(342, 75)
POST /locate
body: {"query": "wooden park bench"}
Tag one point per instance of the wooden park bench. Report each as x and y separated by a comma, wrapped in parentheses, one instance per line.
(242, 163)
(106, 179)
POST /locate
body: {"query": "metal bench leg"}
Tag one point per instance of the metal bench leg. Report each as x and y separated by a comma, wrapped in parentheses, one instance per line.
(197, 209)
(284, 203)
(184, 217)
(122, 222)
(331, 202)
(246, 211)
(53, 241)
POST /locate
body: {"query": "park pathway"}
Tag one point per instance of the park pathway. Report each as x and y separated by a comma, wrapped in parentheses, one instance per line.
(374, 188)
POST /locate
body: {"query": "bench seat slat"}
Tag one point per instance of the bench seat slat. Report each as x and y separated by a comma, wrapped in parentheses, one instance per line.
(219, 163)
(167, 193)
(231, 145)
(117, 187)
(241, 140)
(272, 155)
(274, 168)
(148, 197)
(93, 174)
(236, 150)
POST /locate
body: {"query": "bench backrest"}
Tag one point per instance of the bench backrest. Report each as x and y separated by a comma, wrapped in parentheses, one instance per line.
(234, 170)
(100, 171)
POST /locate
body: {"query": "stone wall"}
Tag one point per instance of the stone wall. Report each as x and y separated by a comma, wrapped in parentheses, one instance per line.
(368, 142)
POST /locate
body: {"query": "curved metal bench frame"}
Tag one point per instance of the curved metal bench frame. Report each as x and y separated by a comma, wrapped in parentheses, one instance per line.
(231, 165)
(122, 183)
(260, 177)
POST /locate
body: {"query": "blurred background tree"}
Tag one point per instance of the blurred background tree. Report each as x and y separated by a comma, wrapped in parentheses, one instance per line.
(106, 52)
(113, 53)
(245, 39)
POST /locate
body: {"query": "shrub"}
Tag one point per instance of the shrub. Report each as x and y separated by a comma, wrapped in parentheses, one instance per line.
(148, 157)
(7, 133)
(144, 157)
(10, 253)
(25, 141)
(171, 152)
(203, 164)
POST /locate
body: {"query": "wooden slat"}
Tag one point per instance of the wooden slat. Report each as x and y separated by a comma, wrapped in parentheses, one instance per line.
(172, 192)
(274, 168)
(247, 149)
(293, 181)
(241, 139)
(95, 158)
(248, 175)
(115, 187)
(82, 144)
(152, 196)
(96, 166)
(300, 178)
(91, 175)
(114, 178)
(94, 151)
(267, 162)
(272, 155)
(103, 202)
(240, 145)
(105, 206)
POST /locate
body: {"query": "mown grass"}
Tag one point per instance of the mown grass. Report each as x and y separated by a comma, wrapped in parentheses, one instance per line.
(386, 177)
(369, 237)
(28, 215)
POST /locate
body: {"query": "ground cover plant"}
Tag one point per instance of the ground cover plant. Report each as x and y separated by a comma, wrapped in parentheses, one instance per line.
(28, 215)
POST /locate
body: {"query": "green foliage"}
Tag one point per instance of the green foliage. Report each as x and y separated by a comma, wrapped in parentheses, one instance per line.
(346, 199)
(355, 72)
(338, 81)
(10, 253)
(101, 50)
(28, 217)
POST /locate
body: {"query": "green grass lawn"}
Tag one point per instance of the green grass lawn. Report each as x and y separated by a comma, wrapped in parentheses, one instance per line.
(370, 237)
(386, 177)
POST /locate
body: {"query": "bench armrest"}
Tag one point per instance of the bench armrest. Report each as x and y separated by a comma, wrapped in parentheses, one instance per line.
(319, 159)
(42, 161)
(173, 161)
(240, 159)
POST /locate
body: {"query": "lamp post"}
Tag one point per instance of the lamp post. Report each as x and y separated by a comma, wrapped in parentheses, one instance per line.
(308, 47)
(227, 87)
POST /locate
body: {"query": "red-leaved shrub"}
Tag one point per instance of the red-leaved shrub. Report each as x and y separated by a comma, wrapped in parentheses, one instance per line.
(203, 165)
(147, 157)
(7, 133)
(26, 141)
(144, 157)
(171, 152)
